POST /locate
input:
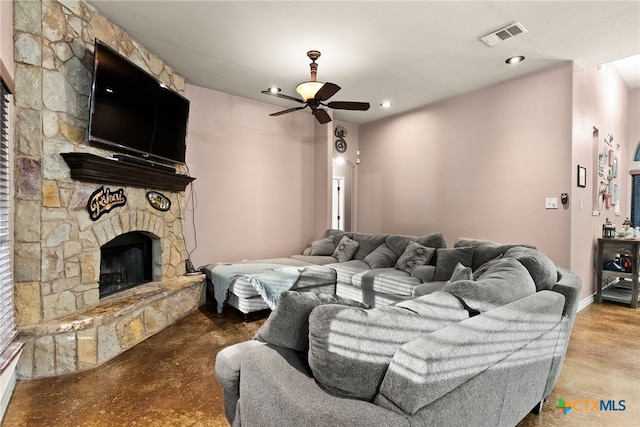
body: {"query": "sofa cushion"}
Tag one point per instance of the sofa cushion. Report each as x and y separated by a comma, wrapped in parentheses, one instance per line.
(351, 348)
(386, 281)
(426, 273)
(460, 272)
(345, 249)
(322, 247)
(448, 258)
(317, 259)
(399, 243)
(541, 268)
(368, 243)
(346, 270)
(484, 250)
(381, 257)
(413, 256)
(505, 280)
(288, 324)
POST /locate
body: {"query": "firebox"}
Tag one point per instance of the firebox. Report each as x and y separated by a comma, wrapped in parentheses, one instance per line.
(125, 262)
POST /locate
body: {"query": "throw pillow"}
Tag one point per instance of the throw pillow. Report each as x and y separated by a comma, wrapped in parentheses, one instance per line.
(350, 348)
(288, 324)
(345, 249)
(322, 247)
(368, 243)
(381, 257)
(414, 255)
(460, 272)
(542, 270)
(448, 258)
(398, 243)
(505, 281)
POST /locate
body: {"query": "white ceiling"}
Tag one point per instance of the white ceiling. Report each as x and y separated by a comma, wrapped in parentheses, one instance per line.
(411, 53)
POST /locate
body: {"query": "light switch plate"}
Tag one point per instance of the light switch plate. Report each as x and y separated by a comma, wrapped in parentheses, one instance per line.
(551, 203)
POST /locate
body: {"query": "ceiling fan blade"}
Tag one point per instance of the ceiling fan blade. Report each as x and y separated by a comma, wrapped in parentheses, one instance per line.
(346, 105)
(290, 110)
(327, 91)
(283, 96)
(321, 115)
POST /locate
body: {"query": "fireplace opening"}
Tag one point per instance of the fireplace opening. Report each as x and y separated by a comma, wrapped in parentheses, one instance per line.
(125, 262)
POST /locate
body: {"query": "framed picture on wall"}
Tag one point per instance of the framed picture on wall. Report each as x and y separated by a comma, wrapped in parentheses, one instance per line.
(614, 193)
(582, 176)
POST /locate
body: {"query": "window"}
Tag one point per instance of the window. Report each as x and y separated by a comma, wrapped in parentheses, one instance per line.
(635, 193)
(7, 321)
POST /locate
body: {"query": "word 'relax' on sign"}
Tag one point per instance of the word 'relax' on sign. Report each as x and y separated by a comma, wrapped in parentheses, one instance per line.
(102, 201)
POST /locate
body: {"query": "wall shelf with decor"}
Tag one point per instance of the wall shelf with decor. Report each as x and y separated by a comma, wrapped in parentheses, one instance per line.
(92, 168)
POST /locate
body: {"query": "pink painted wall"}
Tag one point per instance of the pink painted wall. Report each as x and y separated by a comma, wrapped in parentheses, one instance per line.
(478, 165)
(601, 101)
(255, 178)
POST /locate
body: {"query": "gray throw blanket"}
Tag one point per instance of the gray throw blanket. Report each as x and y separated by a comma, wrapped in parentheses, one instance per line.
(269, 280)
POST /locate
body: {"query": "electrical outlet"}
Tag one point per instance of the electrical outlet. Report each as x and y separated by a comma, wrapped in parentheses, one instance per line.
(551, 203)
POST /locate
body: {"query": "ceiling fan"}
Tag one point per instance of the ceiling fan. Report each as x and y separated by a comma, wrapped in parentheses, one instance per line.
(314, 94)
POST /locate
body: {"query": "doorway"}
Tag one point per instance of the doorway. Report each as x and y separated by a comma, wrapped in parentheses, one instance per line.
(337, 203)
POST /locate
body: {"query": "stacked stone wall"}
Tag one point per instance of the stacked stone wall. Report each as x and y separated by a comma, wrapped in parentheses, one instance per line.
(56, 244)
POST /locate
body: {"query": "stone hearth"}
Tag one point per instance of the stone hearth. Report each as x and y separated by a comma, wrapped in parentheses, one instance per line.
(90, 337)
(63, 322)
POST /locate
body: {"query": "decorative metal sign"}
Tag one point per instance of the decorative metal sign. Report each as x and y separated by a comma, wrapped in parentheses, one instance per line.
(158, 201)
(341, 144)
(103, 200)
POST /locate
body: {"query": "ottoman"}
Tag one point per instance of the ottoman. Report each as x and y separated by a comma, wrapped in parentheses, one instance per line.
(243, 297)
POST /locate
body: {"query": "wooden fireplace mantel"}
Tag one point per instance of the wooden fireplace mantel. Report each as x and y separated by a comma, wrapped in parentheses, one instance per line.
(92, 168)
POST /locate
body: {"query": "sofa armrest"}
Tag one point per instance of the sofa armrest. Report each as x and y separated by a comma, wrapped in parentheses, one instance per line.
(277, 388)
(227, 368)
(427, 288)
(569, 285)
(426, 369)
(426, 273)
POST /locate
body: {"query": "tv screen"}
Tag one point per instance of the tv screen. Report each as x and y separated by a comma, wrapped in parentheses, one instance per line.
(132, 111)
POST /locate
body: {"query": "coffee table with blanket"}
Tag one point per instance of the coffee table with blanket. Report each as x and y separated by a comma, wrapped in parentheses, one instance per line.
(252, 288)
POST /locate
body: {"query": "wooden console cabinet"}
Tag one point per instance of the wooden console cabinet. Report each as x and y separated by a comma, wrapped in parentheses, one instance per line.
(616, 292)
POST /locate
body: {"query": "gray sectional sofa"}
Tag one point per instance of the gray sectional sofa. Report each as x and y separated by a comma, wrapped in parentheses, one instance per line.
(373, 272)
(484, 348)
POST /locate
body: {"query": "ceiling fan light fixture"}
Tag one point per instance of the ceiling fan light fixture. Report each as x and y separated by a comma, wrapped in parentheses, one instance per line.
(515, 59)
(308, 90)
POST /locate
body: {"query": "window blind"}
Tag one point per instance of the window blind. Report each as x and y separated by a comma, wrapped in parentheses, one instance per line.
(7, 320)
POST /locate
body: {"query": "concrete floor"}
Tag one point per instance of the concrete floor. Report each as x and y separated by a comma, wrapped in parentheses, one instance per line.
(168, 380)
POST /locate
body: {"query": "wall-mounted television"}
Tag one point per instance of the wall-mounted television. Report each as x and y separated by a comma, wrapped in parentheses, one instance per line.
(133, 112)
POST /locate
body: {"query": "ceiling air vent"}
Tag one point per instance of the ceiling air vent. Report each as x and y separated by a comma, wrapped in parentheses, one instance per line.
(504, 34)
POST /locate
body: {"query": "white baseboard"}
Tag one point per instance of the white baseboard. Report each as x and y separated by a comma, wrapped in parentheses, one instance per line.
(8, 383)
(587, 301)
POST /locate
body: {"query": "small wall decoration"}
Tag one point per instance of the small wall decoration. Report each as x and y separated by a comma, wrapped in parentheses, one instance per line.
(158, 201)
(103, 200)
(340, 144)
(582, 176)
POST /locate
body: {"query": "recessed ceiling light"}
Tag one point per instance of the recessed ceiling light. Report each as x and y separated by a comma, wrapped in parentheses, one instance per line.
(274, 89)
(386, 104)
(515, 59)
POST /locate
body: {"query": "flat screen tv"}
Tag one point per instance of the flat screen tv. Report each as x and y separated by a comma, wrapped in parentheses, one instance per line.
(133, 112)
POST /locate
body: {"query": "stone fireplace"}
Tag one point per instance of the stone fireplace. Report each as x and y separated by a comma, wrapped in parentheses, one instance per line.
(65, 319)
